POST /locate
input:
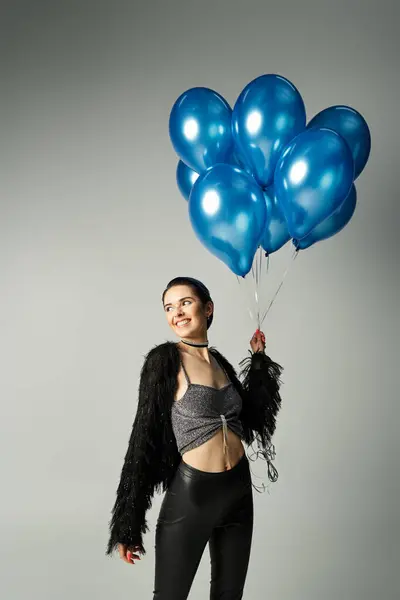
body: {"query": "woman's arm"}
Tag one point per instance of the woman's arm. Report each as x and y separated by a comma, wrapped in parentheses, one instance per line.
(260, 377)
(261, 383)
(145, 465)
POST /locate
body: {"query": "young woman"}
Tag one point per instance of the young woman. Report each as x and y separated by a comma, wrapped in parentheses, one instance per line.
(187, 438)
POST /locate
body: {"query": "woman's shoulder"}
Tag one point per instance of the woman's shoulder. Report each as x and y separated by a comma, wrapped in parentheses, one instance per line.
(164, 351)
(216, 352)
(160, 365)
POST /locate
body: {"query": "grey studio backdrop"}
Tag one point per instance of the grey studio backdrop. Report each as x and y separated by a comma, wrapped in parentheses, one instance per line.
(92, 227)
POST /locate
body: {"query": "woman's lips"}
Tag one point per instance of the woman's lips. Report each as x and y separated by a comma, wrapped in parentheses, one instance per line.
(178, 323)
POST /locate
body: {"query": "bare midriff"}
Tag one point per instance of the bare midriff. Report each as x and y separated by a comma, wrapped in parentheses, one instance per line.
(214, 455)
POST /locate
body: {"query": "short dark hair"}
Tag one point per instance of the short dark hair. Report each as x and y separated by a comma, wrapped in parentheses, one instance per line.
(198, 287)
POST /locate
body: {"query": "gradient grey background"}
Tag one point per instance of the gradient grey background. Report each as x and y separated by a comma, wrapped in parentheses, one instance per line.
(92, 227)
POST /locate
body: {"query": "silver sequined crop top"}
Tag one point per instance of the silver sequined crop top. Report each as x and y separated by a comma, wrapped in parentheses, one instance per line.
(202, 410)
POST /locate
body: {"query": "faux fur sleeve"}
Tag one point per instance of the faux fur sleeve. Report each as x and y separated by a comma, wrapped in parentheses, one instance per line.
(261, 382)
(260, 377)
(150, 454)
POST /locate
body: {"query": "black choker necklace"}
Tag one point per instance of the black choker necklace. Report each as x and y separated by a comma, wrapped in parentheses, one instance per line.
(197, 345)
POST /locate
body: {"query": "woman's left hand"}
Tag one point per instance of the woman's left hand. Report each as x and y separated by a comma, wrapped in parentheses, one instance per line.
(257, 342)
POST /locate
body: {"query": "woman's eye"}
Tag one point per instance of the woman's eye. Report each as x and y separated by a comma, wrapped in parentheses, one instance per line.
(184, 302)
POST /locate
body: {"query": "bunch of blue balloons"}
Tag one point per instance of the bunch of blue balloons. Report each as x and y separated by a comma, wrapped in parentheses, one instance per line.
(259, 175)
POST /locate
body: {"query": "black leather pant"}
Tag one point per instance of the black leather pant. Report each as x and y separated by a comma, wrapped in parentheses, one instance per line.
(201, 507)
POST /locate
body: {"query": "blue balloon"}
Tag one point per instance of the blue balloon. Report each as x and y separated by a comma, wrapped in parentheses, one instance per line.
(267, 115)
(276, 233)
(333, 224)
(352, 127)
(227, 211)
(200, 128)
(185, 178)
(312, 178)
(238, 161)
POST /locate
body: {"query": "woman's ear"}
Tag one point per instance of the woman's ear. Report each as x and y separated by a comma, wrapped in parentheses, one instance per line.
(210, 308)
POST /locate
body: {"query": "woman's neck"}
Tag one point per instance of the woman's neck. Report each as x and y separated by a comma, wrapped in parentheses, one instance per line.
(200, 352)
(195, 343)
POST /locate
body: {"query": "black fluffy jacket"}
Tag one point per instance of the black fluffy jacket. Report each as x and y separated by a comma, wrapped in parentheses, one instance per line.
(152, 456)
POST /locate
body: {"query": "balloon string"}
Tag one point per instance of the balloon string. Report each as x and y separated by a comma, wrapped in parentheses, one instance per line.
(253, 297)
(260, 282)
(257, 285)
(259, 273)
(292, 259)
(254, 288)
(255, 275)
(241, 284)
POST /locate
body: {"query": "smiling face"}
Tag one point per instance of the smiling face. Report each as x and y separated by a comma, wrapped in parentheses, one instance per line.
(185, 312)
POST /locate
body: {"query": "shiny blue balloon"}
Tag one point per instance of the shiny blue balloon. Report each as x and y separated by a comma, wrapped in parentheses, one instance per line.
(352, 127)
(237, 161)
(267, 115)
(276, 232)
(227, 211)
(200, 128)
(312, 178)
(185, 178)
(333, 224)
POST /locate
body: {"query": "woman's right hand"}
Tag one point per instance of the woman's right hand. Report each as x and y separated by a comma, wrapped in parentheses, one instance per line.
(126, 552)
